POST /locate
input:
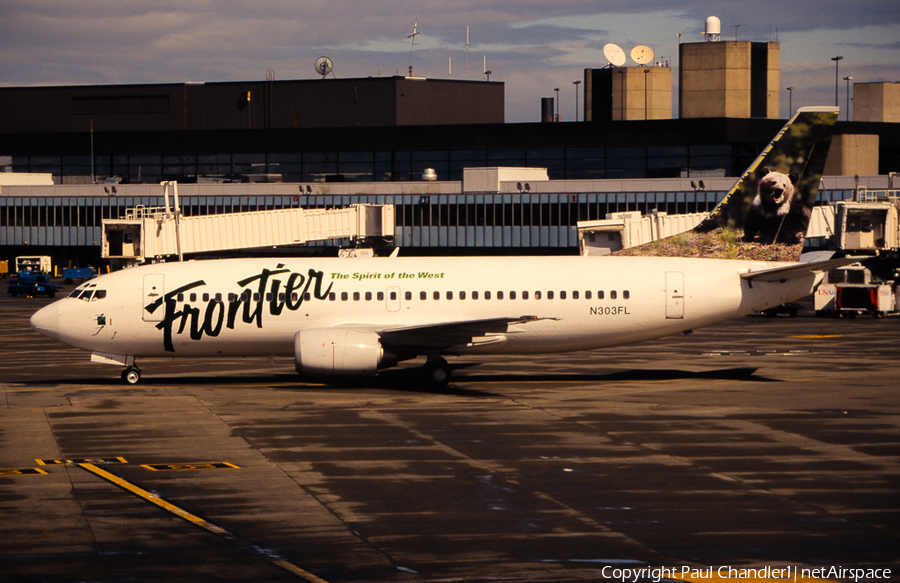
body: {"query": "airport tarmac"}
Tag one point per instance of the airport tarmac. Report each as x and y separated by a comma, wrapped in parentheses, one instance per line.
(761, 442)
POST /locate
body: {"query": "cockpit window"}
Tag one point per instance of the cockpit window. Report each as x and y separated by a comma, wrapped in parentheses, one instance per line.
(88, 295)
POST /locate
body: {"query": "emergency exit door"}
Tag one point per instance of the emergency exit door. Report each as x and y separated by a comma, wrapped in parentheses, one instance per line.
(674, 295)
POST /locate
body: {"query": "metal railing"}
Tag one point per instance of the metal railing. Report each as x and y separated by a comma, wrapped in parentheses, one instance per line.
(863, 194)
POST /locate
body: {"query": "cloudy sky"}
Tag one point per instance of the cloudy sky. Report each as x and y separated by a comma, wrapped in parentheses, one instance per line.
(533, 46)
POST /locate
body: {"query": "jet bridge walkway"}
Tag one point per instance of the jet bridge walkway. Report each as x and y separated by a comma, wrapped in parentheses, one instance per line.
(147, 233)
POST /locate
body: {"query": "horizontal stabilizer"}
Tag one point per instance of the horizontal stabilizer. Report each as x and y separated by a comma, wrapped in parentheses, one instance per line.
(796, 270)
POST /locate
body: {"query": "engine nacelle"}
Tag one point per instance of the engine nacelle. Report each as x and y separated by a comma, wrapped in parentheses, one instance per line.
(339, 352)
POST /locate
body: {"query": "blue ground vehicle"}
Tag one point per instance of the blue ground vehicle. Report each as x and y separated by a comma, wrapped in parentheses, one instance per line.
(31, 283)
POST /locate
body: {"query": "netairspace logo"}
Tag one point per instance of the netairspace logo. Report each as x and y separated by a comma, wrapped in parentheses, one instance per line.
(789, 573)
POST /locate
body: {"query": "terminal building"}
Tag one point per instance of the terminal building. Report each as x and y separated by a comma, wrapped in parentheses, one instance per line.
(325, 143)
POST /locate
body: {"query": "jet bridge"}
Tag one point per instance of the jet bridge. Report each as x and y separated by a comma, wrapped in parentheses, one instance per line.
(149, 233)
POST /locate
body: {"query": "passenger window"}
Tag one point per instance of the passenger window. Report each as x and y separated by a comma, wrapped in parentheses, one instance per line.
(462, 295)
(449, 295)
(380, 296)
(436, 295)
(355, 296)
(294, 296)
(408, 296)
(231, 297)
(600, 295)
(332, 296)
(193, 297)
(205, 297)
(537, 295)
(499, 295)
(269, 296)
(575, 295)
(626, 294)
(219, 298)
(562, 295)
(423, 296)
(487, 295)
(524, 295)
(612, 295)
(368, 296)
(549, 295)
(281, 297)
(474, 295)
(306, 297)
(393, 296)
(344, 296)
(256, 297)
(587, 295)
(512, 295)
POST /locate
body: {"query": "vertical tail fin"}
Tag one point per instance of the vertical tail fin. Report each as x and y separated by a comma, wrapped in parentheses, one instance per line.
(766, 213)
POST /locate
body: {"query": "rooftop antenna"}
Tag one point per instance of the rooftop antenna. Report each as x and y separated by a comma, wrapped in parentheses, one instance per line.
(323, 66)
(467, 53)
(614, 54)
(735, 27)
(713, 29)
(413, 36)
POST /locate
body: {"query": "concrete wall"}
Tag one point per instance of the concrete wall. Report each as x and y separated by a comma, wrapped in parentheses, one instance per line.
(876, 102)
(852, 155)
(641, 93)
(729, 79)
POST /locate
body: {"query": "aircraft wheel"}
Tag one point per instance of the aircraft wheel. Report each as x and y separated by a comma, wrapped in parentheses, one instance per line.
(131, 376)
(438, 372)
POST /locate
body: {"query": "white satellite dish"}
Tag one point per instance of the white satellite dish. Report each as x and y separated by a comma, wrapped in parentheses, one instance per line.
(324, 66)
(642, 54)
(614, 54)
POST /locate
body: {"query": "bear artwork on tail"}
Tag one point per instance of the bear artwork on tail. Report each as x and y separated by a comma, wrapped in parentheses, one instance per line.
(776, 214)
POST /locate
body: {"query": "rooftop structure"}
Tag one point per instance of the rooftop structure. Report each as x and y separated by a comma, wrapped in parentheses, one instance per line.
(239, 105)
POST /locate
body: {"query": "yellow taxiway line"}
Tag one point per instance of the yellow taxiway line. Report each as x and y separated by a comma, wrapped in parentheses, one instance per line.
(196, 520)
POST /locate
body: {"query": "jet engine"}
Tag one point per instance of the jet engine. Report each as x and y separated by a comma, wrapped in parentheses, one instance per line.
(340, 352)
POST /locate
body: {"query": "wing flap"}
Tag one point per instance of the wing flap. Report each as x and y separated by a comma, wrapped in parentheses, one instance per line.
(445, 334)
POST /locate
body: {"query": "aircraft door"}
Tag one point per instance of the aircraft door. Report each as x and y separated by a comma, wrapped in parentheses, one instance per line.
(153, 291)
(674, 295)
(392, 299)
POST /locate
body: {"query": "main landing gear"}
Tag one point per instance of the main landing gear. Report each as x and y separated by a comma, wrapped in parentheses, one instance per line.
(131, 375)
(437, 371)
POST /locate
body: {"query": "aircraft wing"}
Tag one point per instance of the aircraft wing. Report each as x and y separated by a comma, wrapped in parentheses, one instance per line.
(783, 274)
(446, 334)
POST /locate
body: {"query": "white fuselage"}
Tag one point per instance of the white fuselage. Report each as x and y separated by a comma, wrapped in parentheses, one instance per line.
(247, 307)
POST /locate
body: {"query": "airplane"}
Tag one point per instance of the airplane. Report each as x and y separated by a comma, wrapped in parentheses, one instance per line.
(343, 317)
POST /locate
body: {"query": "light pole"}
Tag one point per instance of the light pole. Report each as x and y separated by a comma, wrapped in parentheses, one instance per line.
(790, 91)
(836, 77)
(646, 71)
(557, 104)
(848, 79)
(576, 83)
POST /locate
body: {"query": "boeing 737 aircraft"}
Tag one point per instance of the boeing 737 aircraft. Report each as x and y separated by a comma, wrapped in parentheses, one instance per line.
(344, 317)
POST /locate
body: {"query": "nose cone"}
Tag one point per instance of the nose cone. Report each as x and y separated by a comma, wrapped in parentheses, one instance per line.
(46, 321)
